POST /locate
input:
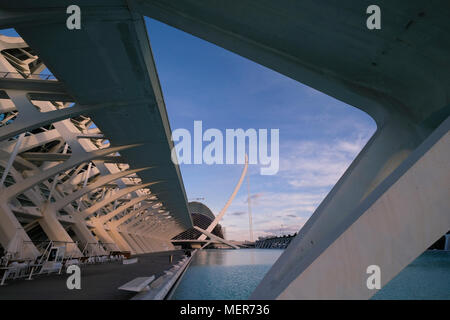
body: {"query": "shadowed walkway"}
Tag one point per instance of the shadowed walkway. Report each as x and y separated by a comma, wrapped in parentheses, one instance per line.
(97, 281)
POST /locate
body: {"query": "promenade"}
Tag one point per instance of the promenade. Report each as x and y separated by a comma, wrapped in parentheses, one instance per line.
(98, 282)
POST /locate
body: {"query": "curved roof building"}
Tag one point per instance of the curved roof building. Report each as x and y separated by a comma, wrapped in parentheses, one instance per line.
(202, 217)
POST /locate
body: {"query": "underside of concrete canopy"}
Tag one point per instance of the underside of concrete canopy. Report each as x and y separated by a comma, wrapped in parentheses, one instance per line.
(110, 61)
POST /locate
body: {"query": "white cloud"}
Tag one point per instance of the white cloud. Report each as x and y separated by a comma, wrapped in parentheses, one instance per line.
(318, 164)
(271, 211)
(313, 166)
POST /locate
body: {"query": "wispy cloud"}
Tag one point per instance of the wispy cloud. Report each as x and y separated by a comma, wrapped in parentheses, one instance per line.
(237, 213)
(309, 168)
(254, 196)
(271, 211)
(318, 164)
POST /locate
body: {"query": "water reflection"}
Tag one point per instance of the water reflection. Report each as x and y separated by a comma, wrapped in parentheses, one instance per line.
(427, 277)
(236, 257)
(225, 274)
(234, 274)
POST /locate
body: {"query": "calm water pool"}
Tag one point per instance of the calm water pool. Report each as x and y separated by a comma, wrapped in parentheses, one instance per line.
(225, 274)
(234, 274)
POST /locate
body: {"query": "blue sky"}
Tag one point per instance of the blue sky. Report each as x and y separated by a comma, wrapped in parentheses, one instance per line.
(319, 136)
(9, 32)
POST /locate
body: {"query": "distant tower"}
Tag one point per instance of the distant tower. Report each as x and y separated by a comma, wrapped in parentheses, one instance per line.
(250, 223)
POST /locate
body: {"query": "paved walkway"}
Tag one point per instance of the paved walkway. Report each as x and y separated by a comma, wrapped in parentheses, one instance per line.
(97, 281)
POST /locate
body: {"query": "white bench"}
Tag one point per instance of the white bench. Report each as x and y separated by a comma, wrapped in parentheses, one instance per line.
(130, 261)
(137, 285)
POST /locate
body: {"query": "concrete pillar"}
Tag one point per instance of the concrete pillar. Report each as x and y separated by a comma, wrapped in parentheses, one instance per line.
(161, 244)
(104, 237)
(156, 245)
(85, 235)
(168, 245)
(11, 230)
(120, 241)
(55, 231)
(148, 243)
(139, 241)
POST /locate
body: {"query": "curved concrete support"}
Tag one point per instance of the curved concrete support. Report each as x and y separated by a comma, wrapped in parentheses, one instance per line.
(33, 120)
(140, 222)
(130, 215)
(400, 219)
(385, 151)
(29, 142)
(94, 185)
(16, 189)
(85, 235)
(143, 225)
(52, 187)
(143, 243)
(112, 214)
(113, 236)
(120, 241)
(78, 177)
(159, 244)
(30, 118)
(105, 238)
(142, 121)
(55, 231)
(389, 147)
(11, 230)
(123, 238)
(119, 194)
(132, 243)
